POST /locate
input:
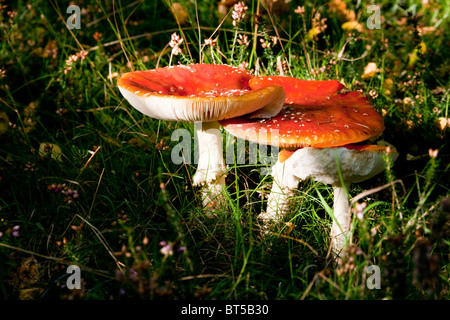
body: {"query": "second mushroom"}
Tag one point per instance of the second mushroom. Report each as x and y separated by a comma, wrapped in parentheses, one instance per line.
(317, 118)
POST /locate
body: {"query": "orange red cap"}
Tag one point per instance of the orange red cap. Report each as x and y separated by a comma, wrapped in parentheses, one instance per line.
(316, 114)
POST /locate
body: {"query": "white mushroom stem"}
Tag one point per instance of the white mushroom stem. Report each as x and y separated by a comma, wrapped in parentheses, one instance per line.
(342, 217)
(330, 166)
(283, 188)
(211, 167)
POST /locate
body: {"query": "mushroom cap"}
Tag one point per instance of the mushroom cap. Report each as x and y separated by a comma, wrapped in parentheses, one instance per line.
(199, 92)
(298, 91)
(357, 163)
(326, 117)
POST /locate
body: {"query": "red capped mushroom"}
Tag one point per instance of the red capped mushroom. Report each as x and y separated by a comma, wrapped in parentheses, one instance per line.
(201, 93)
(333, 118)
(327, 118)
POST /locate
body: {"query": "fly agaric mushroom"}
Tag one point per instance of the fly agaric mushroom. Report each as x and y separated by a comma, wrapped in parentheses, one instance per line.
(326, 117)
(204, 94)
(329, 117)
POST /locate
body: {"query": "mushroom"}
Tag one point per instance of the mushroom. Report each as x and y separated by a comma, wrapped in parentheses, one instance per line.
(339, 167)
(317, 114)
(204, 94)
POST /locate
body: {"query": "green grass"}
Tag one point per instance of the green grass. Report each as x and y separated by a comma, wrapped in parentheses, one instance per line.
(131, 197)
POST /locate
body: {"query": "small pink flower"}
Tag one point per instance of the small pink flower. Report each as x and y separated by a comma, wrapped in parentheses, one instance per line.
(238, 13)
(300, 10)
(243, 40)
(211, 42)
(174, 43)
(15, 232)
(167, 249)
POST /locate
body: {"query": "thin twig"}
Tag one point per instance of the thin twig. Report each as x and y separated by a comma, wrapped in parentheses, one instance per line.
(377, 189)
(120, 38)
(58, 260)
(279, 39)
(199, 34)
(309, 287)
(103, 241)
(294, 239)
(202, 276)
(107, 15)
(91, 157)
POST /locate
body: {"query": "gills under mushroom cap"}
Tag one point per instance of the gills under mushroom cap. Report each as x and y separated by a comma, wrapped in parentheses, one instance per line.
(333, 117)
(199, 92)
